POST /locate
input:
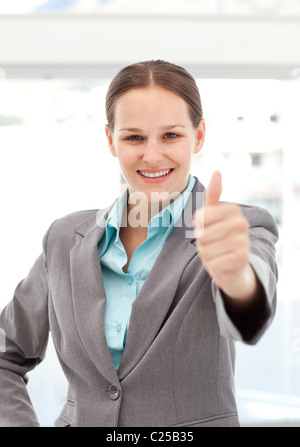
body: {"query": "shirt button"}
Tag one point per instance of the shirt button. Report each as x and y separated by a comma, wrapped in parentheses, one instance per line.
(119, 327)
(130, 280)
(113, 392)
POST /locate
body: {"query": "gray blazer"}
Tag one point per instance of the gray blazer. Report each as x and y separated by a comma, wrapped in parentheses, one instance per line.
(178, 364)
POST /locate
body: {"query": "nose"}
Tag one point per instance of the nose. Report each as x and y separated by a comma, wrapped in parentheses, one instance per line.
(152, 154)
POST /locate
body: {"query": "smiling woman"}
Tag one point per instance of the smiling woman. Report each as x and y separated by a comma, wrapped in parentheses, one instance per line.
(153, 159)
(145, 312)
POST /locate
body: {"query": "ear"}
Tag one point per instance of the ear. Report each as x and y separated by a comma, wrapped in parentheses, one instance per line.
(200, 136)
(110, 140)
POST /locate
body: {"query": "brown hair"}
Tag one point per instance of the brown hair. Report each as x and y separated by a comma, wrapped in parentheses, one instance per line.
(160, 73)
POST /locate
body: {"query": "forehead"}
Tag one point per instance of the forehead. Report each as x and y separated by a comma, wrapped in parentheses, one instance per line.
(154, 101)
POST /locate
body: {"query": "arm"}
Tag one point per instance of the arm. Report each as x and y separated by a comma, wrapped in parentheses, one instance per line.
(237, 248)
(24, 321)
(248, 322)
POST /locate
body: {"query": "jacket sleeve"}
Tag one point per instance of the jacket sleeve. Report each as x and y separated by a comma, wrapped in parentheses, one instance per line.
(24, 327)
(249, 326)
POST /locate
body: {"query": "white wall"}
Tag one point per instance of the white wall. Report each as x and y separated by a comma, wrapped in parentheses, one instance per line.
(256, 47)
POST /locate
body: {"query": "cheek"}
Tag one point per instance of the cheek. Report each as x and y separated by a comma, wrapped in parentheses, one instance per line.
(185, 155)
(126, 158)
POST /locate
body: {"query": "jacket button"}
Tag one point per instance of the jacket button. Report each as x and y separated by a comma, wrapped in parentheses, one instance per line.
(113, 392)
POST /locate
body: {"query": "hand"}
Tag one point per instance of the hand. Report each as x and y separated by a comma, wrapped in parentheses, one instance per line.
(223, 244)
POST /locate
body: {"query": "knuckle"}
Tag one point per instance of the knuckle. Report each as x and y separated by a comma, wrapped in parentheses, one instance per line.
(201, 250)
(233, 209)
(240, 224)
(243, 224)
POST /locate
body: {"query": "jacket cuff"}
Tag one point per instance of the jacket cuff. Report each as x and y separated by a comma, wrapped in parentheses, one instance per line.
(252, 323)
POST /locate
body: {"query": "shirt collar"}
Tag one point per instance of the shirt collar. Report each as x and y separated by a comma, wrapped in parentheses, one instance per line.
(171, 213)
(166, 217)
(113, 223)
(118, 211)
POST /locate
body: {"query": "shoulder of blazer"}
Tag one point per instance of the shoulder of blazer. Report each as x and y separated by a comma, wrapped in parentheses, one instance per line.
(64, 228)
(256, 215)
(70, 222)
(259, 217)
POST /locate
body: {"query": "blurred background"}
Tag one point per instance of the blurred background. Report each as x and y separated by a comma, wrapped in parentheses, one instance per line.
(56, 60)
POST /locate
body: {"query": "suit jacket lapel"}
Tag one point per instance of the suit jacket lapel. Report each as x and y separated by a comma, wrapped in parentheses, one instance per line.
(152, 304)
(89, 295)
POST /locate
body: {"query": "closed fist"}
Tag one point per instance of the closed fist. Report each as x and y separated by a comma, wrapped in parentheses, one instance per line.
(223, 243)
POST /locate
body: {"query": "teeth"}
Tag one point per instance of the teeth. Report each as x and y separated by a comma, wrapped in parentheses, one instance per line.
(156, 174)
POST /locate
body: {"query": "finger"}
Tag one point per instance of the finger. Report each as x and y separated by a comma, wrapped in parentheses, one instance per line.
(214, 189)
(224, 228)
(217, 249)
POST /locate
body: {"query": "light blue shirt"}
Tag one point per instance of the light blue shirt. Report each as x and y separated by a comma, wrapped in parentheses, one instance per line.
(122, 288)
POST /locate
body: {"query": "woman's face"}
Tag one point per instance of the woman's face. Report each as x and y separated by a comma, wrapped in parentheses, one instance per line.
(154, 140)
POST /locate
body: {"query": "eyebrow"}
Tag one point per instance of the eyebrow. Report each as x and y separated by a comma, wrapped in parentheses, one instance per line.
(162, 128)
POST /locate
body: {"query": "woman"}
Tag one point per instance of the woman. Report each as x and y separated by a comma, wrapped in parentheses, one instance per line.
(145, 299)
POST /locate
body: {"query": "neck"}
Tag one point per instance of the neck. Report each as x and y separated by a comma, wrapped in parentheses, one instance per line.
(141, 211)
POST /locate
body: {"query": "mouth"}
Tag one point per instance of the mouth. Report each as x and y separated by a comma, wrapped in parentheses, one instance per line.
(155, 175)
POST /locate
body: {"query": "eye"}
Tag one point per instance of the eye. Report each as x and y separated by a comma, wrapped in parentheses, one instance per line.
(171, 135)
(134, 138)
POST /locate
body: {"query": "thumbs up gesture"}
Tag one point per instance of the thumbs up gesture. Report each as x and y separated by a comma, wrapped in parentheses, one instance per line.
(223, 244)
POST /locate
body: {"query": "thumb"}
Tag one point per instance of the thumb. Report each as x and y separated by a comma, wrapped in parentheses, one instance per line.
(214, 189)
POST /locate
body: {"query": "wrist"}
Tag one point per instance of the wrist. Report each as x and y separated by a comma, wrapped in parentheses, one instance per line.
(245, 287)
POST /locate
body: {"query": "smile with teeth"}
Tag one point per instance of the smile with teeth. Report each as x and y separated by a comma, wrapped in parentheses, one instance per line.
(155, 174)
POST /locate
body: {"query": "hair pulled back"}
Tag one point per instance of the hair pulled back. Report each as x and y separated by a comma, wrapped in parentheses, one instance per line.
(155, 72)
